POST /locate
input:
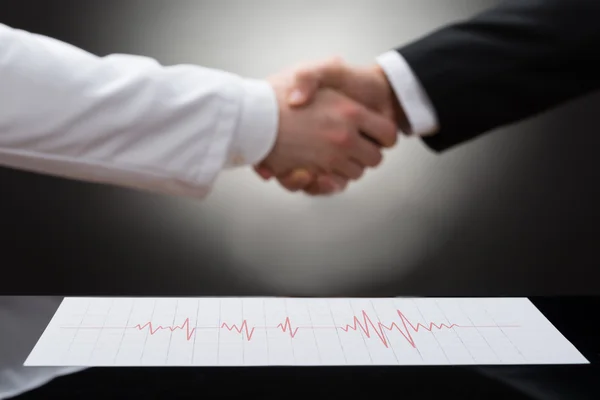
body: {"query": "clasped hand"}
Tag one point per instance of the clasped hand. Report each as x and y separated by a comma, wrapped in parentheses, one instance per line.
(334, 122)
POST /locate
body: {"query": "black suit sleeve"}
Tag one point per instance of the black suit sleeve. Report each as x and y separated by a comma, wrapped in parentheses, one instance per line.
(507, 64)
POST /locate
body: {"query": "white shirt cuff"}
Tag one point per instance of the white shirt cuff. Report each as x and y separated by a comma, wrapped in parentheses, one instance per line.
(258, 124)
(412, 97)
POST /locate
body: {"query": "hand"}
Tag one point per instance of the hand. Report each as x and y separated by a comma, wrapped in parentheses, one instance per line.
(368, 85)
(325, 136)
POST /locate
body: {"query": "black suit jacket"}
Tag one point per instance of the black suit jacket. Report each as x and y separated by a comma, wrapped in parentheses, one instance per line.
(506, 64)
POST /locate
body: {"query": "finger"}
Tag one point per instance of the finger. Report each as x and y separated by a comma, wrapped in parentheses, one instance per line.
(335, 182)
(367, 153)
(307, 80)
(297, 180)
(376, 127)
(316, 189)
(326, 185)
(349, 169)
(313, 190)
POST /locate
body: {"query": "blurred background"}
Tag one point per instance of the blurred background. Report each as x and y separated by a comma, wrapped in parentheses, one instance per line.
(513, 213)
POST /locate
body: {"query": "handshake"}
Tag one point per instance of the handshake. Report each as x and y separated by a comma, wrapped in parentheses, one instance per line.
(334, 122)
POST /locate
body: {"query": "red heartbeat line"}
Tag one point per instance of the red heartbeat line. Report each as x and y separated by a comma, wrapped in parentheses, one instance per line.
(365, 324)
(379, 328)
(242, 329)
(189, 331)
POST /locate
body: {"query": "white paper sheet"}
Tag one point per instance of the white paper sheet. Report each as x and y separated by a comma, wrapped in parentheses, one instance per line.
(299, 331)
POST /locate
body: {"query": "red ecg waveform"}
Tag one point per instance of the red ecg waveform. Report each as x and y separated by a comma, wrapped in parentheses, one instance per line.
(242, 329)
(189, 331)
(287, 327)
(247, 332)
(364, 323)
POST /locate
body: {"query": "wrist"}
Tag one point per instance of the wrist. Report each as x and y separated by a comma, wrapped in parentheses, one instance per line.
(415, 113)
(393, 108)
(398, 114)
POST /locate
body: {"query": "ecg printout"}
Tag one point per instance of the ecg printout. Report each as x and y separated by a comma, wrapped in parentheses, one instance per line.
(300, 331)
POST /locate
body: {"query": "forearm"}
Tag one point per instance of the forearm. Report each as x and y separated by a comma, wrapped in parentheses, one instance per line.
(506, 64)
(126, 120)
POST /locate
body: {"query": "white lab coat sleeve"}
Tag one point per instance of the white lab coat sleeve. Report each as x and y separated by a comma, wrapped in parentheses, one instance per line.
(127, 120)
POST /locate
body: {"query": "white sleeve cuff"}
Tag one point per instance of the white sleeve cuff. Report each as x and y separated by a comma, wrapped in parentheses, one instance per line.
(412, 97)
(258, 124)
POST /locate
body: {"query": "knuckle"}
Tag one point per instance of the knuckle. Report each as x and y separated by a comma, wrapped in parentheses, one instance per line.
(351, 111)
(342, 183)
(342, 138)
(358, 173)
(391, 135)
(377, 159)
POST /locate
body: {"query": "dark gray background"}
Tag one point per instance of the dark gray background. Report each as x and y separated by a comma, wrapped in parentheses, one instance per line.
(513, 213)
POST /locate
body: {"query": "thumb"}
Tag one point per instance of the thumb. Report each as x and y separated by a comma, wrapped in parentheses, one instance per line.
(304, 86)
(307, 79)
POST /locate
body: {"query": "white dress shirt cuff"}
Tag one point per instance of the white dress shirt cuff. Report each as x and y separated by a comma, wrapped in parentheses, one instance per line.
(413, 99)
(258, 124)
